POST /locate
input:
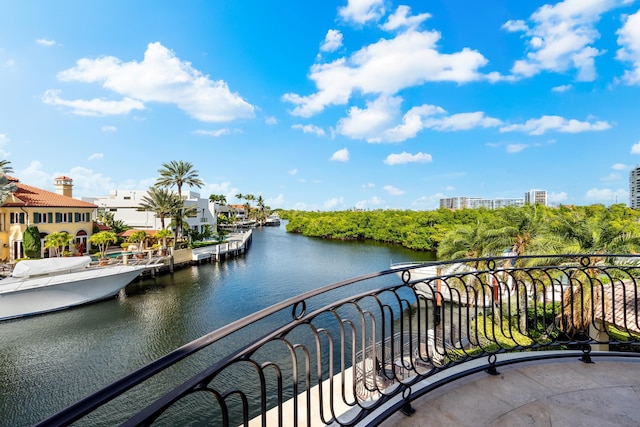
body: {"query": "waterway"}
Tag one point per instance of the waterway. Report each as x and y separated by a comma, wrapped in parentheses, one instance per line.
(50, 361)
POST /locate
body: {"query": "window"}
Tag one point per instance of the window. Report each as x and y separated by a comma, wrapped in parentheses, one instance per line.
(16, 218)
(50, 217)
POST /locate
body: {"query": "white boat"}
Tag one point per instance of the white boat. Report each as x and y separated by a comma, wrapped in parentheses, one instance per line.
(51, 284)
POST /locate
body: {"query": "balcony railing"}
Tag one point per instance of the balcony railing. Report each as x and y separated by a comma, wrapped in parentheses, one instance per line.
(359, 350)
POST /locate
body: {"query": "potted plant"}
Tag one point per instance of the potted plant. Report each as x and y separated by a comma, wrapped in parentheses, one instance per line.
(103, 239)
(138, 237)
(163, 235)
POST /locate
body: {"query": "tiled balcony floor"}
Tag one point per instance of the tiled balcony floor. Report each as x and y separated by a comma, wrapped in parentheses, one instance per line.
(558, 392)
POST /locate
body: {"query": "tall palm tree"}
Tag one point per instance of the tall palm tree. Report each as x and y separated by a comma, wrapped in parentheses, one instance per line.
(178, 173)
(7, 188)
(595, 234)
(5, 166)
(162, 202)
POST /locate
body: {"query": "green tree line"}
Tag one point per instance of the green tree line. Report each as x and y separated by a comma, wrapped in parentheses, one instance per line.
(481, 232)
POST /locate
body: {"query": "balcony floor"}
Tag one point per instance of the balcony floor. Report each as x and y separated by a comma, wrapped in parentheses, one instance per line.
(557, 392)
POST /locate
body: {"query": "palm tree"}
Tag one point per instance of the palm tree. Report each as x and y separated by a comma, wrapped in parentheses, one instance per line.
(7, 188)
(4, 166)
(163, 235)
(103, 239)
(138, 237)
(178, 173)
(596, 234)
(57, 242)
(162, 202)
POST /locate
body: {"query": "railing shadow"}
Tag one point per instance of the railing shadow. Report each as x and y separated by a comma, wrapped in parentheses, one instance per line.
(343, 352)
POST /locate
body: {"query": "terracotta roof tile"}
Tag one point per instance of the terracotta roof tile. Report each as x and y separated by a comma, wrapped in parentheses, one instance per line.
(29, 196)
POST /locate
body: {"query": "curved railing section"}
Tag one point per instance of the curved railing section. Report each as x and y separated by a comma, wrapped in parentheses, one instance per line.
(363, 346)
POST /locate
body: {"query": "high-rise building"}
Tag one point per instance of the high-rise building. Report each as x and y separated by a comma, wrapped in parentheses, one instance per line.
(634, 188)
(535, 197)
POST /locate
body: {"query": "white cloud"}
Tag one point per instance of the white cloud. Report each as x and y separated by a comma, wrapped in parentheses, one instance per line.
(385, 68)
(214, 133)
(401, 19)
(96, 156)
(309, 129)
(160, 77)
(274, 202)
(362, 11)
(516, 148)
(332, 41)
(557, 197)
(404, 157)
(635, 148)
(293, 171)
(428, 202)
(560, 37)
(557, 124)
(562, 88)
(393, 190)
(611, 177)
(93, 107)
(374, 124)
(368, 185)
(46, 42)
(606, 195)
(334, 203)
(365, 204)
(35, 176)
(629, 39)
(270, 120)
(4, 140)
(619, 166)
(108, 128)
(341, 155)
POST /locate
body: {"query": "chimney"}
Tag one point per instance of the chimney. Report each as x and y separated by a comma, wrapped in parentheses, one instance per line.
(64, 185)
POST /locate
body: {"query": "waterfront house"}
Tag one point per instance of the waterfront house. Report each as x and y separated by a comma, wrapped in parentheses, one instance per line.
(124, 205)
(51, 212)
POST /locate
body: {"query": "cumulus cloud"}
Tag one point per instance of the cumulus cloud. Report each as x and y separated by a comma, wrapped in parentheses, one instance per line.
(562, 88)
(46, 42)
(635, 148)
(372, 202)
(332, 41)
(96, 156)
(611, 177)
(341, 155)
(560, 37)
(606, 195)
(293, 171)
(368, 185)
(393, 190)
(4, 139)
(93, 107)
(215, 133)
(411, 58)
(334, 203)
(619, 166)
(270, 120)
(108, 128)
(404, 157)
(381, 121)
(362, 11)
(160, 77)
(516, 148)
(402, 18)
(629, 39)
(309, 129)
(557, 197)
(557, 124)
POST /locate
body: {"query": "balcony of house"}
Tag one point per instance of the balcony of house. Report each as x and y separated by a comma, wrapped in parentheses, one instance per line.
(537, 340)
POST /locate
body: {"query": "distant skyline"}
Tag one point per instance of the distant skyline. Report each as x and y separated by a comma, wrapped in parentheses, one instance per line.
(329, 105)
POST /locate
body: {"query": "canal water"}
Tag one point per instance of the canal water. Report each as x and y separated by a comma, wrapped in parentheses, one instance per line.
(50, 361)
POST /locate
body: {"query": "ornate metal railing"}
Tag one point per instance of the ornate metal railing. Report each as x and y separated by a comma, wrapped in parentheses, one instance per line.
(358, 350)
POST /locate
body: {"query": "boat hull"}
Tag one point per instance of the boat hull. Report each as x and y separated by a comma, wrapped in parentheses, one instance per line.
(28, 297)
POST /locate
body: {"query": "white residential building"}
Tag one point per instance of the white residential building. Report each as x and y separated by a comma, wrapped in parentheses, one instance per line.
(124, 204)
(536, 197)
(533, 196)
(634, 188)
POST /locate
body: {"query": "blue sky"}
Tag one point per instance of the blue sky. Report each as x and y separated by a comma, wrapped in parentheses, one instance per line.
(326, 105)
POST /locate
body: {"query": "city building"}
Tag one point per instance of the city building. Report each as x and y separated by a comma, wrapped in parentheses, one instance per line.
(50, 212)
(124, 205)
(531, 197)
(634, 188)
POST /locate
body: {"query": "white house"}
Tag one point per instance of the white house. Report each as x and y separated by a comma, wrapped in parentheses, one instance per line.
(124, 204)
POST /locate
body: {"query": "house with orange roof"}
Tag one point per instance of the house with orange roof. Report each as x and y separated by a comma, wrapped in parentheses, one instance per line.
(50, 211)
